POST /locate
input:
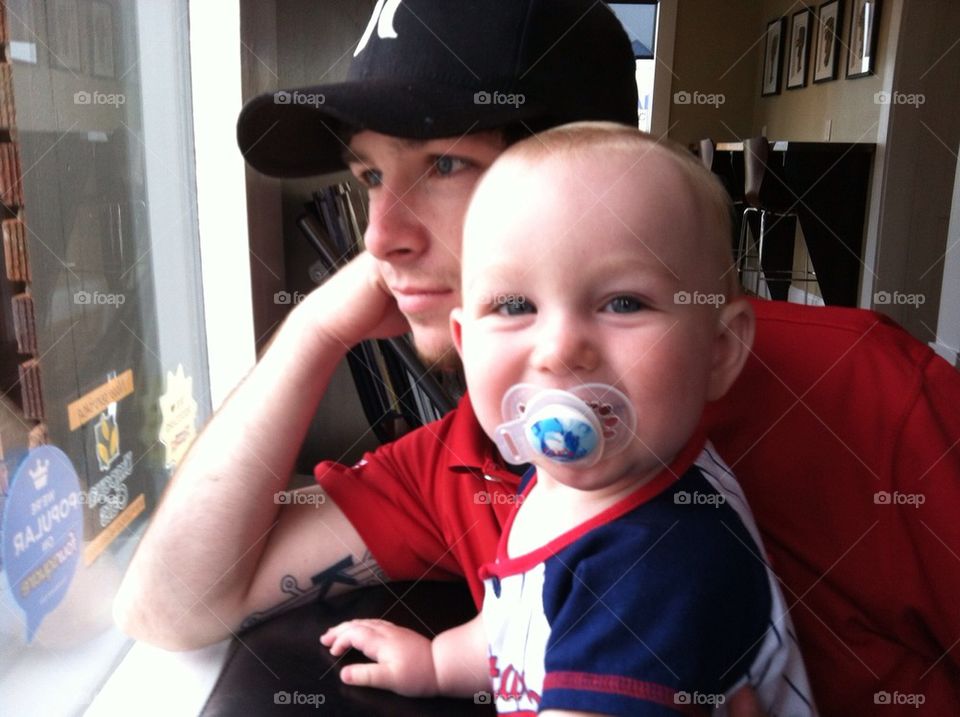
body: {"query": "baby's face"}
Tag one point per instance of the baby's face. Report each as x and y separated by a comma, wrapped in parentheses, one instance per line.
(579, 271)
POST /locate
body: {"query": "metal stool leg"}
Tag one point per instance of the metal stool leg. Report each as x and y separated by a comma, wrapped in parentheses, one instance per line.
(749, 273)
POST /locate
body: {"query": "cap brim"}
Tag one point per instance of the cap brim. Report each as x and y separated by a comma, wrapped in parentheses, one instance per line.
(296, 133)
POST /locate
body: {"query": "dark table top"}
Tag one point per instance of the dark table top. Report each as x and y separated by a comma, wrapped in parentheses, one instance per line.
(280, 667)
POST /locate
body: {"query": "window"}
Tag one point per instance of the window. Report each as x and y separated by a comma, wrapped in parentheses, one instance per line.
(639, 19)
(102, 264)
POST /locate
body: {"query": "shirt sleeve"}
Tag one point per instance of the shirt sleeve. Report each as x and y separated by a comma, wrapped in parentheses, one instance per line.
(390, 507)
(651, 623)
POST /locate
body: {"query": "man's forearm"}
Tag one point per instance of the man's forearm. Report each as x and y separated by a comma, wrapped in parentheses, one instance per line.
(196, 561)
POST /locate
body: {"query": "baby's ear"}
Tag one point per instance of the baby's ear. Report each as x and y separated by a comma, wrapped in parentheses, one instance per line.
(456, 329)
(731, 345)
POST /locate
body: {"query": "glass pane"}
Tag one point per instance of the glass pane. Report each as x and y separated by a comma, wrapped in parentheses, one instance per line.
(639, 19)
(103, 130)
(640, 22)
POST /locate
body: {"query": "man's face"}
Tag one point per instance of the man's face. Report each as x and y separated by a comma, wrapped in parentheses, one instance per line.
(574, 272)
(418, 195)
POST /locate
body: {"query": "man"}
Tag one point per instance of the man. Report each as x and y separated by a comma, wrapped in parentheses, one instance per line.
(834, 407)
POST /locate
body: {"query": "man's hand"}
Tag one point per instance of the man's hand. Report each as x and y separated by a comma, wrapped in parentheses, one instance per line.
(366, 308)
(404, 658)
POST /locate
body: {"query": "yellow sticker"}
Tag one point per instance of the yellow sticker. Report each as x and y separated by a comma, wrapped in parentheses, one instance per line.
(178, 410)
(90, 405)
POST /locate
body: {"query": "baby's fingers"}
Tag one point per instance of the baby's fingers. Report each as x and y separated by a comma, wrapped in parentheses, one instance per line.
(370, 674)
(358, 635)
(331, 634)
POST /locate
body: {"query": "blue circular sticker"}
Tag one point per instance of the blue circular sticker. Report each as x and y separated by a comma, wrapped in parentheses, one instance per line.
(42, 532)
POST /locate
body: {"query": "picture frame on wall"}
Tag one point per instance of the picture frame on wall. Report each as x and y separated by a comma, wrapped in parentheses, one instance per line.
(862, 38)
(827, 57)
(798, 49)
(772, 58)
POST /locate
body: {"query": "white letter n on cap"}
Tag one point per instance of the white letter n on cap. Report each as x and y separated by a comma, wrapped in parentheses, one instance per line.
(383, 17)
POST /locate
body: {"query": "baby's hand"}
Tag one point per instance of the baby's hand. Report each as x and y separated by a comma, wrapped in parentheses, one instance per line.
(404, 658)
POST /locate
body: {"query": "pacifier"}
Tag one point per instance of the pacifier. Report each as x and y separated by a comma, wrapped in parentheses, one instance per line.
(576, 426)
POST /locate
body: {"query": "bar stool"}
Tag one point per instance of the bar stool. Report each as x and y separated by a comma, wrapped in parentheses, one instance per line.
(767, 198)
(727, 174)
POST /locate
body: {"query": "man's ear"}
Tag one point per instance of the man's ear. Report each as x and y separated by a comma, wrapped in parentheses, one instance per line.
(456, 329)
(731, 346)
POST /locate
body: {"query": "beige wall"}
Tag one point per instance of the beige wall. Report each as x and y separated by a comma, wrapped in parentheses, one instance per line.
(848, 105)
(919, 167)
(714, 53)
(719, 49)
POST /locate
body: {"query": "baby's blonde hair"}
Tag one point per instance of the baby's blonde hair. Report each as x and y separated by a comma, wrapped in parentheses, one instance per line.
(710, 196)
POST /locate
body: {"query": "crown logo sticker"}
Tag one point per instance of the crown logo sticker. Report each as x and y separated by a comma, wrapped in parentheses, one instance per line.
(107, 438)
(39, 474)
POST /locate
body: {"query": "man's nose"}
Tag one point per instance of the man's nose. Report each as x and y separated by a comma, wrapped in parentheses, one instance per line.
(564, 347)
(395, 233)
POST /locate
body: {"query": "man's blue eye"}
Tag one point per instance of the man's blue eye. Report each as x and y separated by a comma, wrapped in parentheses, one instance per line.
(448, 165)
(515, 307)
(371, 178)
(624, 305)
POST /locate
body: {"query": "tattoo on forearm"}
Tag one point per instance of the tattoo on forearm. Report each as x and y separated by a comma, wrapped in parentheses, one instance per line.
(347, 573)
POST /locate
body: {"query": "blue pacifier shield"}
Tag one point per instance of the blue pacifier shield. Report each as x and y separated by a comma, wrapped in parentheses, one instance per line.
(563, 439)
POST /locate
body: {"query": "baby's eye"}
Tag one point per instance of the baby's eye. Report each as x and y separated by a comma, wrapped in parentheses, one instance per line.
(515, 306)
(449, 165)
(624, 305)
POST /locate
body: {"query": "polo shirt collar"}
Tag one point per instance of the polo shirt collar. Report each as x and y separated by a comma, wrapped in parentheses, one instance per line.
(475, 452)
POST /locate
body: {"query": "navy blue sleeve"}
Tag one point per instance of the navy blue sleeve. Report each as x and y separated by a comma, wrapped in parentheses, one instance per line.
(666, 603)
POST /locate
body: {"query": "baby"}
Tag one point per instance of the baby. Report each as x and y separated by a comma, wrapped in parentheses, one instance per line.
(600, 314)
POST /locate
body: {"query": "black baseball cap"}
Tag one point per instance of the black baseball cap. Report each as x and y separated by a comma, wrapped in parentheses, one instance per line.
(425, 69)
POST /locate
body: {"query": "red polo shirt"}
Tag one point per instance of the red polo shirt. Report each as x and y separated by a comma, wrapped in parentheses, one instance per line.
(430, 505)
(845, 434)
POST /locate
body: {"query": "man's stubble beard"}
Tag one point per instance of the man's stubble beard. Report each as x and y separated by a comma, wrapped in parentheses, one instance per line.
(445, 366)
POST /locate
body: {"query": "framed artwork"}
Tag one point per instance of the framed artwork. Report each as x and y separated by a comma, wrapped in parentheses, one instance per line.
(63, 26)
(798, 49)
(101, 18)
(772, 58)
(861, 48)
(825, 61)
